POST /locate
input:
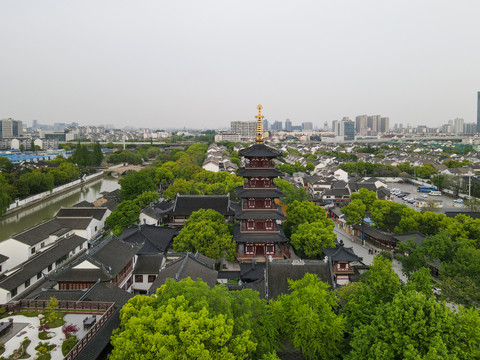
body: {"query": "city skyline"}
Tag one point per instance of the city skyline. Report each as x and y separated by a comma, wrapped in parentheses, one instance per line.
(203, 65)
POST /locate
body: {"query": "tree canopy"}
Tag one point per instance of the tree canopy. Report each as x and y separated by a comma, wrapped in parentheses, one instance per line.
(205, 231)
(134, 184)
(126, 214)
(307, 318)
(188, 320)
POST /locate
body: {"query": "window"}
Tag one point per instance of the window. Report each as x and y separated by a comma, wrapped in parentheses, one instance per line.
(267, 182)
(249, 249)
(27, 283)
(252, 182)
(32, 250)
(268, 203)
(14, 292)
(39, 275)
(251, 203)
(96, 228)
(343, 265)
(269, 224)
(270, 249)
(139, 278)
(151, 278)
(80, 247)
(49, 268)
(250, 224)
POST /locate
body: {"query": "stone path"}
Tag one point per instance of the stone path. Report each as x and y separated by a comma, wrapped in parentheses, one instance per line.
(362, 250)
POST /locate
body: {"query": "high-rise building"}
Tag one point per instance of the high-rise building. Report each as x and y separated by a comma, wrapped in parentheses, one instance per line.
(35, 124)
(244, 128)
(361, 124)
(345, 128)
(470, 128)
(478, 112)
(458, 126)
(384, 125)
(307, 126)
(265, 125)
(276, 126)
(10, 128)
(373, 123)
(288, 125)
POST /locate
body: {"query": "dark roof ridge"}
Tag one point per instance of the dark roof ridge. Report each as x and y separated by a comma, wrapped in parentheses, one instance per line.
(82, 298)
(179, 272)
(33, 227)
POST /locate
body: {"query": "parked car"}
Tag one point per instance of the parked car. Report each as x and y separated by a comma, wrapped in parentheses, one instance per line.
(458, 201)
(435, 193)
(424, 196)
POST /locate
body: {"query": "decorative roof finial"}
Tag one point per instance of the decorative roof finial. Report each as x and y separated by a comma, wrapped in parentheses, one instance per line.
(259, 125)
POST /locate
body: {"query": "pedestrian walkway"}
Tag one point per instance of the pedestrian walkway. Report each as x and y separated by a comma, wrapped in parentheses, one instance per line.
(362, 250)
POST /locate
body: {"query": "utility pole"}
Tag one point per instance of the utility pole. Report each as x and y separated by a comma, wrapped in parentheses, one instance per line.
(469, 183)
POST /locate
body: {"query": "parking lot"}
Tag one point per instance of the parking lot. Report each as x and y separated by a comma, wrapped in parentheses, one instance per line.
(412, 189)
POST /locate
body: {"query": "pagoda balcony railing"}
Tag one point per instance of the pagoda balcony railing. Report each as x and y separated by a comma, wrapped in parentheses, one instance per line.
(259, 185)
(259, 165)
(343, 271)
(261, 208)
(245, 229)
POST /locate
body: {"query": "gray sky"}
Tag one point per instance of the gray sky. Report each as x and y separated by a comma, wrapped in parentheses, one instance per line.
(202, 63)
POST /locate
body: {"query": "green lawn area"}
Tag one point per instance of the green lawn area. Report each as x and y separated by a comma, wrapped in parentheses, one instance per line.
(69, 344)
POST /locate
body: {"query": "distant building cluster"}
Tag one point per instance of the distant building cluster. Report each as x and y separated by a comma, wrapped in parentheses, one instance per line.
(372, 125)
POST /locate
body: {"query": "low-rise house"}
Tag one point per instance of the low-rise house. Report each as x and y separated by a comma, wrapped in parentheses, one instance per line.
(95, 216)
(154, 214)
(110, 261)
(145, 272)
(152, 239)
(16, 281)
(344, 263)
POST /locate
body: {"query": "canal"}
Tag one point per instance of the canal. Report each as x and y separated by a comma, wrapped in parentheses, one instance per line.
(44, 210)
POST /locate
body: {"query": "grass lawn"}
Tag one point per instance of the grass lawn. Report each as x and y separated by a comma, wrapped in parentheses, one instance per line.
(69, 344)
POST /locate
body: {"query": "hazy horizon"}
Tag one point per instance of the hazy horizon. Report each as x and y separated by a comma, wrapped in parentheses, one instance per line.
(202, 64)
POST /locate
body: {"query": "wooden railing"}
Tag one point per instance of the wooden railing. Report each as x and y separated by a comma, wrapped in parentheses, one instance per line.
(104, 309)
(90, 333)
(70, 306)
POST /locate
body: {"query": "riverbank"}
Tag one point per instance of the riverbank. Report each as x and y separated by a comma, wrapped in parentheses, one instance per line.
(20, 205)
(48, 208)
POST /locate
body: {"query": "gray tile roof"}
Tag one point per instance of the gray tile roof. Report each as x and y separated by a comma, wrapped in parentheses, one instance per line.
(263, 237)
(82, 212)
(259, 193)
(341, 253)
(40, 262)
(259, 150)
(3, 258)
(280, 271)
(155, 239)
(148, 264)
(186, 204)
(189, 265)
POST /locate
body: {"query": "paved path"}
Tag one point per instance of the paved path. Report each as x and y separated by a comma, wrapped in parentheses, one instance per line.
(362, 250)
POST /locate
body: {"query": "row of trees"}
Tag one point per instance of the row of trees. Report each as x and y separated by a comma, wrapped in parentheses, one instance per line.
(376, 318)
(453, 243)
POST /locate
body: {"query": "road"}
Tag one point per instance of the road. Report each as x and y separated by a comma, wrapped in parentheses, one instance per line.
(362, 250)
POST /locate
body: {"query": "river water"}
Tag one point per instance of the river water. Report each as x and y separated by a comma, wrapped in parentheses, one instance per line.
(46, 209)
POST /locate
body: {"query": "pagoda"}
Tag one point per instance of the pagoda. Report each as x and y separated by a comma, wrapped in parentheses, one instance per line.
(260, 233)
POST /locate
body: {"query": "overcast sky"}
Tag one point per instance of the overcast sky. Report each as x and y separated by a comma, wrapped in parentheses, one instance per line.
(202, 64)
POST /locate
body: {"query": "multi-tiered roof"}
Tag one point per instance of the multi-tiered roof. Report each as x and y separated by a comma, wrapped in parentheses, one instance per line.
(260, 232)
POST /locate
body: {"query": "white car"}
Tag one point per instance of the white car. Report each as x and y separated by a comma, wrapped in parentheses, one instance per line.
(435, 193)
(424, 196)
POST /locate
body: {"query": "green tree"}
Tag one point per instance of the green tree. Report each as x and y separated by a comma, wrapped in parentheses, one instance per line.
(5, 165)
(291, 192)
(205, 231)
(146, 198)
(300, 212)
(355, 211)
(163, 176)
(123, 216)
(134, 184)
(187, 319)
(415, 326)
(5, 199)
(472, 204)
(97, 154)
(367, 197)
(311, 238)
(307, 318)
(181, 187)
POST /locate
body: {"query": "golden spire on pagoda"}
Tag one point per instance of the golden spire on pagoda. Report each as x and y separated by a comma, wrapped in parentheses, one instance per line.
(259, 125)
